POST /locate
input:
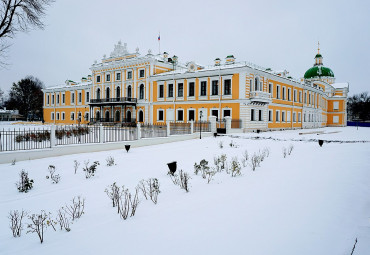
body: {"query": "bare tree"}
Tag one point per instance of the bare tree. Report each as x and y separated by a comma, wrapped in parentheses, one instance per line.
(38, 224)
(76, 164)
(76, 209)
(63, 220)
(20, 15)
(16, 218)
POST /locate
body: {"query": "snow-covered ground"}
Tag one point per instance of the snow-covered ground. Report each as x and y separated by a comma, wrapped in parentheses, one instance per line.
(314, 201)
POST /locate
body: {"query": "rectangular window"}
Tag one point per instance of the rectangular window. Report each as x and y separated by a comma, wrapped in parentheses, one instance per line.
(289, 94)
(58, 116)
(300, 96)
(72, 116)
(295, 95)
(288, 116)
(309, 99)
(283, 93)
(282, 116)
(294, 117)
(170, 90)
(336, 105)
(277, 92)
(63, 98)
(214, 88)
(180, 115)
(87, 97)
(161, 91)
(260, 115)
(335, 119)
(129, 75)
(48, 99)
(299, 117)
(108, 77)
(252, 115)
(142, 73)
(52, 116)
(98, 78)
(270, 88)
(160, 115)
(58, 97)
(72, 98)
(191, 89)
(270, 115)
(215, 113)
(180, 90)
(79, 97)
(277, 116)
(52, 99)
(305, 97)
(203, 88)
(227, 87)
(227, 113)
(118, 76)
(191, 115)
(63, 116)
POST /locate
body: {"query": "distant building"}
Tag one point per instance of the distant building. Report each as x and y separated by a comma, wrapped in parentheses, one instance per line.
(127, 87)
(8, 115)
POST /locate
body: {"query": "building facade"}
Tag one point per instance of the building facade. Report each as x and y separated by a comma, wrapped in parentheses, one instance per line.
(127, 88)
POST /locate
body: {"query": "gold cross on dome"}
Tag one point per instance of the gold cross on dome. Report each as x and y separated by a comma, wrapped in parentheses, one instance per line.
(318, 47)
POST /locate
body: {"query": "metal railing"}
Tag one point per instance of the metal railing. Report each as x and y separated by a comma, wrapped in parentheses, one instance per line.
(77, 134)
(11, 140)
(114, 100)
(180, 128)
(118, 134)
(206, 126)
(153, 130)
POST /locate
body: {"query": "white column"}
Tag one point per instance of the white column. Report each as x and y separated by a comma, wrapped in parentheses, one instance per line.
(52, 136)
(212, 119)
(138, 131)
(101, 133)
(168, 127)
(228, 124)
(191, 127)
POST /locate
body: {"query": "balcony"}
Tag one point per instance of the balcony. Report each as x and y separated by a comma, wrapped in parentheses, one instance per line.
(111, 121)
(114, 101)
(260, 97)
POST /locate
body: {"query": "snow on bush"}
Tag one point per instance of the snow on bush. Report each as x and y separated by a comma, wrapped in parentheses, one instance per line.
(90, 170)
(25, 183)
(110, 161)
(16, 224)
(38, 224)
(54, 177)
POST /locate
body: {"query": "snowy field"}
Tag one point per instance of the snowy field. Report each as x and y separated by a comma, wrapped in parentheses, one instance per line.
(314, 201)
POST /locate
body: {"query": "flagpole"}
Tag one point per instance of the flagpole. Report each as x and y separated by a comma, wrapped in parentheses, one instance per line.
(159, 43)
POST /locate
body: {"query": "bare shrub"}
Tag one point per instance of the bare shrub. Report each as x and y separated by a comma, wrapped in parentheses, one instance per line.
(13, 162)
(76, 209)
(246, 155)
(135, 202)
(16, 218)
(255, 161)
(153, 188)
(184, 180)
(90, 170)
(76, 164)
(24, 184)
(266, 151)
(110, 161)
(142, 186)
(290, 149)
(244, 162)
(220, 162)
(209, 175)
(202, 167)
(284, 152)
(54, 177)
(38, 224)
(220, 144)
(113, 192)
(124, 204)
(63, 220)
(235, 168)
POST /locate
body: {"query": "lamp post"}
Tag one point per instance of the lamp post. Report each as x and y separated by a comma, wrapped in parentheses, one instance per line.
(200, 117)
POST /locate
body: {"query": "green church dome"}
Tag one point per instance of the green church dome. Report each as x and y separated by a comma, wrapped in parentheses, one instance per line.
(318, 71)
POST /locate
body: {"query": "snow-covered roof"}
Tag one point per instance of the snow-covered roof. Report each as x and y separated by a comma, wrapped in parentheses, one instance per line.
(340, 85)
(61, 86)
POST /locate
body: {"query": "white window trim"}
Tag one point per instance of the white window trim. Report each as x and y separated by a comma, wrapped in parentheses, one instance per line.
(115, 77)
(227, 77)
(177, 91)
(164, 92)
(139, 73)
(272, 88)
(282, 116)
(200, 88)
(218, 112)
(86, 92)
(277, 113)
(78, 97)
(110, 77)
(299, 117)
(98, 75)
(167, 89)
(188, 89)
(259, 115)
(177, 115)
(272, 116)
(74, 116)
(52, 116)
(289, 95)
(132, 74)
(335, 105)
(288, 118)
(63, 95)
(226, 108)
(63, 116)
(57, 116)
(283, 95)
(211, 88)
(195, 113)
(74, 97)
(278, 92)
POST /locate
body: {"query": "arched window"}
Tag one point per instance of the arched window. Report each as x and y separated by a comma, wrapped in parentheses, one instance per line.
(129, 91)
(107, 93)
(141, 116)
(128, 116)
(98, 93)
(256, 83)
(86, 116)
(141, 91)
(117, 117)
(107, 116)
(118, 92)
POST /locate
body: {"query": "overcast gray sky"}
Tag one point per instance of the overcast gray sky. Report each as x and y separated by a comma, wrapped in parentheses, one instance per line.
(277, 34)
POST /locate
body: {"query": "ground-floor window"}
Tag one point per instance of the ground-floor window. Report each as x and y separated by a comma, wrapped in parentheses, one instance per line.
(260, 116)
(270, 115)
(180, 115)
(277, 116)
(191, 115)
(160, 115)
(252, 115)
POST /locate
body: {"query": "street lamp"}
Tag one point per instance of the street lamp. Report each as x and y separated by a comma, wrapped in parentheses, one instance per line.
(200, 117)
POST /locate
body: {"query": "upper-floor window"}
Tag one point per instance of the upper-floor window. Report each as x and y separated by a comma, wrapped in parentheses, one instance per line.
(63, 98)
(191, 89)
(141, 91)
(129, 75)
(161, 91)
(79, 97)
(203, 88)
(73, 98)
(58, 99)
(142, 73)
(170, 90)
(278, 92)
(215, 87)
(336, 105)
(289, 94)
(129, 93)
(108, 77)
(118, 92)
(87, 96)
(295, 95)
(227, 87)
(283, 93)
(48, 99)
(52, 99)
(270, 88)
(118, 76)
(98, 78)
(107, 93)
(300, 96)
(180, 90)
(98, 93)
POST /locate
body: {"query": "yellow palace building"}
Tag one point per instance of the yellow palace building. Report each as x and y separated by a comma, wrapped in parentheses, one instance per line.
(127, 88)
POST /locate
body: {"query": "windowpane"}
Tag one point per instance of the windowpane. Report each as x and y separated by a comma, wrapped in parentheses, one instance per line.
(170, 90)
(227, 87)
(203, 88)
(161, 91)
(180, 90)
(191, 115)
(191, 89)
(180, 115)
(160, 115)
(214, 88)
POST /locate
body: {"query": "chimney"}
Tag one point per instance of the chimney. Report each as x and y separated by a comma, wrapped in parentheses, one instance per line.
(230, 60)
